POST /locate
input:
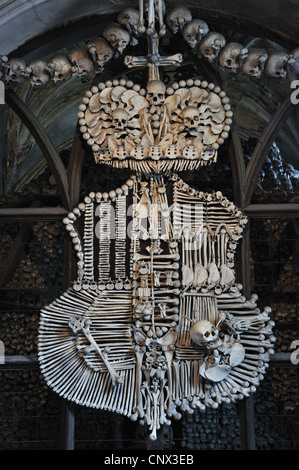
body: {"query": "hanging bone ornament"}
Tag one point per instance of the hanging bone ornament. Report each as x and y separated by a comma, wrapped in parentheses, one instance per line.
(118, 37)
(211, 45)
(278, 64)
(177, 18)
(81, 62)
(155, 322)
(255, 62)
(39, 75)
(100, 51)
(232, 56)
(194, 31)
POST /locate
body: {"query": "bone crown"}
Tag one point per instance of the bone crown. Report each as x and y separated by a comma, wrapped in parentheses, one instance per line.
(158, 125)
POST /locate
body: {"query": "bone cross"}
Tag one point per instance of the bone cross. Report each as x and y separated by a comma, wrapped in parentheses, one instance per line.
(78, 324)
(153, 62)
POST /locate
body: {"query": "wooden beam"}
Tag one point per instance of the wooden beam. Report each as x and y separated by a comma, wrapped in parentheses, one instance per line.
(260, 152)
(75, 168)
(247, 423)
(288, 210)
(67, 425)
(237, 160)
(32, 214)
(44, 142)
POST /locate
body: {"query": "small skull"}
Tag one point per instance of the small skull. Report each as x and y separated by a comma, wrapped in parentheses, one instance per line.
(204, 333)
(100, 51)
(17, 71)
(39, 75)
(177, 18)
(211, 45)
(278, 64)
(60, 68)
(81, 62)
(232, 55)
(156, 92)
(118, 37)
(119, 119)
(194, 31)
(255, 62)
(191, 117)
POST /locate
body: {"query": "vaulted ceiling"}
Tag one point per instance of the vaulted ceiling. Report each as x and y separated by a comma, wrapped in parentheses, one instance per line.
(42, 28)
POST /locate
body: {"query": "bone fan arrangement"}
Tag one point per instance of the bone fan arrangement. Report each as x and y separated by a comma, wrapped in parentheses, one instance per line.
(155, 323)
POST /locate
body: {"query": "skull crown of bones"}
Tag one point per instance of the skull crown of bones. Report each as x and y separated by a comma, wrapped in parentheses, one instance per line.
(155, 321)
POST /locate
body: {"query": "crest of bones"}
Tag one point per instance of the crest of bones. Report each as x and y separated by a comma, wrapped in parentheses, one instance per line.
(155, 323)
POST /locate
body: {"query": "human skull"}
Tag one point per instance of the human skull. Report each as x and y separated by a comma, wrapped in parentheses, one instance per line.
(118, 37)
(177, 18)
(17, 70)
(129, 17)
(100, 51)
(204, 333)
(211, 45)
(81, 62)
(156, 92)
(278, 64)
(119, 119)
(194, 31)
(60, 68)
(39, 75)
(191, 117)
(255, 62)
(232, 56)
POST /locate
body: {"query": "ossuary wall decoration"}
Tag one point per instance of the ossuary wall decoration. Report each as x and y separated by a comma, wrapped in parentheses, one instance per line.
(155, 323)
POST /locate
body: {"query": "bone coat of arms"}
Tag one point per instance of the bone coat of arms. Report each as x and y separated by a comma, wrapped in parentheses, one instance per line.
(155, 323)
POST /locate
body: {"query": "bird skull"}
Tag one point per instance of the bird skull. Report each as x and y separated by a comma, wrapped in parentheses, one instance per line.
(119, 119)
(191, 117)
(232, 56)
(194, 31)
(156, 92)
(211, 45)
(255, 62)
(204, 333)
(100, 51)
(177, 18)
(81, 62)
(117, 37)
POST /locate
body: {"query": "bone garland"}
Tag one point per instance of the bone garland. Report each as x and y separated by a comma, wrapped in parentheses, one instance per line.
(210, 45)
